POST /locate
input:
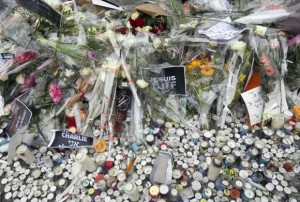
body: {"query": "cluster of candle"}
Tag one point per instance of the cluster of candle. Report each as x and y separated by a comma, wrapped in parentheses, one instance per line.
(233, 163)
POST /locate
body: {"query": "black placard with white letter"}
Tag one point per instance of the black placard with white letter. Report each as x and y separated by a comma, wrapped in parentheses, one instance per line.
(166, 79)
(6, 56)
(66, 139)
(43, 9)
(21, 117)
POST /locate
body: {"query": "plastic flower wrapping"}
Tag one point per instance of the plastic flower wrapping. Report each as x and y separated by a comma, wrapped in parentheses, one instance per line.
(149, 101)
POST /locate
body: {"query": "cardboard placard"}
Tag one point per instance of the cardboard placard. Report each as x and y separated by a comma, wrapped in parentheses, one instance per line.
(43, 9)
(66, 139)
(21, 117)
(166, 79)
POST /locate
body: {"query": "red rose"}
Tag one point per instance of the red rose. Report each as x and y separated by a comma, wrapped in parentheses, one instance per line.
(133, 32)
(154, 30)
(139, 22)
(123, 30)
(23, 57)
(132, 22)
(160, 27)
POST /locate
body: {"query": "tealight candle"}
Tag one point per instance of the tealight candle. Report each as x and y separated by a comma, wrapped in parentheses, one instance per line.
(86, 162)
(24, 153)
(277, 121)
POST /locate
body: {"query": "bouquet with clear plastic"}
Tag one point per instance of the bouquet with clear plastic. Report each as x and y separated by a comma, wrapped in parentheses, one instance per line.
(271, 50)
(204, 71)
(237, 67)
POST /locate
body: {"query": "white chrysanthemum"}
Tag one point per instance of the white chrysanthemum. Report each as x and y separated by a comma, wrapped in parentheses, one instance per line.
(85, 71)
(238, 45)
(260, 30)
(156, 43)
(135, 15)
(69, 73)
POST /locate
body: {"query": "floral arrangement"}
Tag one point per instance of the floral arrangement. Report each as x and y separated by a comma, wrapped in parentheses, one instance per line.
(146, 18)
(271, 49)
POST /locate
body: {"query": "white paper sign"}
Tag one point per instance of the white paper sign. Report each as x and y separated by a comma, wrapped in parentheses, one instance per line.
(254, 102)
(222, 31)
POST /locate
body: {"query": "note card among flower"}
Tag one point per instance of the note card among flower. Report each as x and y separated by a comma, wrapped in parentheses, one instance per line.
(222, 31)
(254, 102)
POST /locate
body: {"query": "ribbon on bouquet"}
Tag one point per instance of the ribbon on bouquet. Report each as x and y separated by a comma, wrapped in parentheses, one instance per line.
(83, 86)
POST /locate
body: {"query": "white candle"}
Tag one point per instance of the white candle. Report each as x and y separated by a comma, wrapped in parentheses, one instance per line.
(86, 162)
(277, 121)
(48, 162)
(24, 153)
(214, 168)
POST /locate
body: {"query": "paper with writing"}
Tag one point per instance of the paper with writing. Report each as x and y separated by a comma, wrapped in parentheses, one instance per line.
(222, 31)
(254, 102)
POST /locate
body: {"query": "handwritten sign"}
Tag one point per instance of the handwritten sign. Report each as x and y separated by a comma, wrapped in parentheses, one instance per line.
(222, 31)
(21, 117)
(66, 139)
(166, 79)
(43, 9)
(254, 102)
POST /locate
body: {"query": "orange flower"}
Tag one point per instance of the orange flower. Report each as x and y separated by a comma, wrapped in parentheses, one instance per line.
(207, 71)
(193, 64)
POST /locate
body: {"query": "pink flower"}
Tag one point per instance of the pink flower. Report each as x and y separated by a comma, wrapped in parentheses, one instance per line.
(274, 43)
(269, 71)
(55, 93)
(264, 60)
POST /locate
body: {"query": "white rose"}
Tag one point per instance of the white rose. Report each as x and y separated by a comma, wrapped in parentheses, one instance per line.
(146, 29)
(156, 43)
(69, 73)
(260, 30)
(139, 29)
(20, 79)
(141, 83)
(135, 15)
(238, 45)
(128, 25)
(85, 71)
(110, 26)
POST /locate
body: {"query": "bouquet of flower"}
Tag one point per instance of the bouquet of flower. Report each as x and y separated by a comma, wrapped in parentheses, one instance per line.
(237, 68)
(271, 48)
(204, 77)
(147, 18)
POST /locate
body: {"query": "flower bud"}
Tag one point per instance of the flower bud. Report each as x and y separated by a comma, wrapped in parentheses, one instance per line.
(20, 79)
(141, 83)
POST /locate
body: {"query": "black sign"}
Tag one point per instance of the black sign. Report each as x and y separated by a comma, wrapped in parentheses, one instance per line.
(66, 139)
(43, 9)
(21, 117)
(6, 56)
(166, 79)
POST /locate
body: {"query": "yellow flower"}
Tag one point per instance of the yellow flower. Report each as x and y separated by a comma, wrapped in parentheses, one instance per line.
(242, 77)
(193, 64)
(207, 71)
